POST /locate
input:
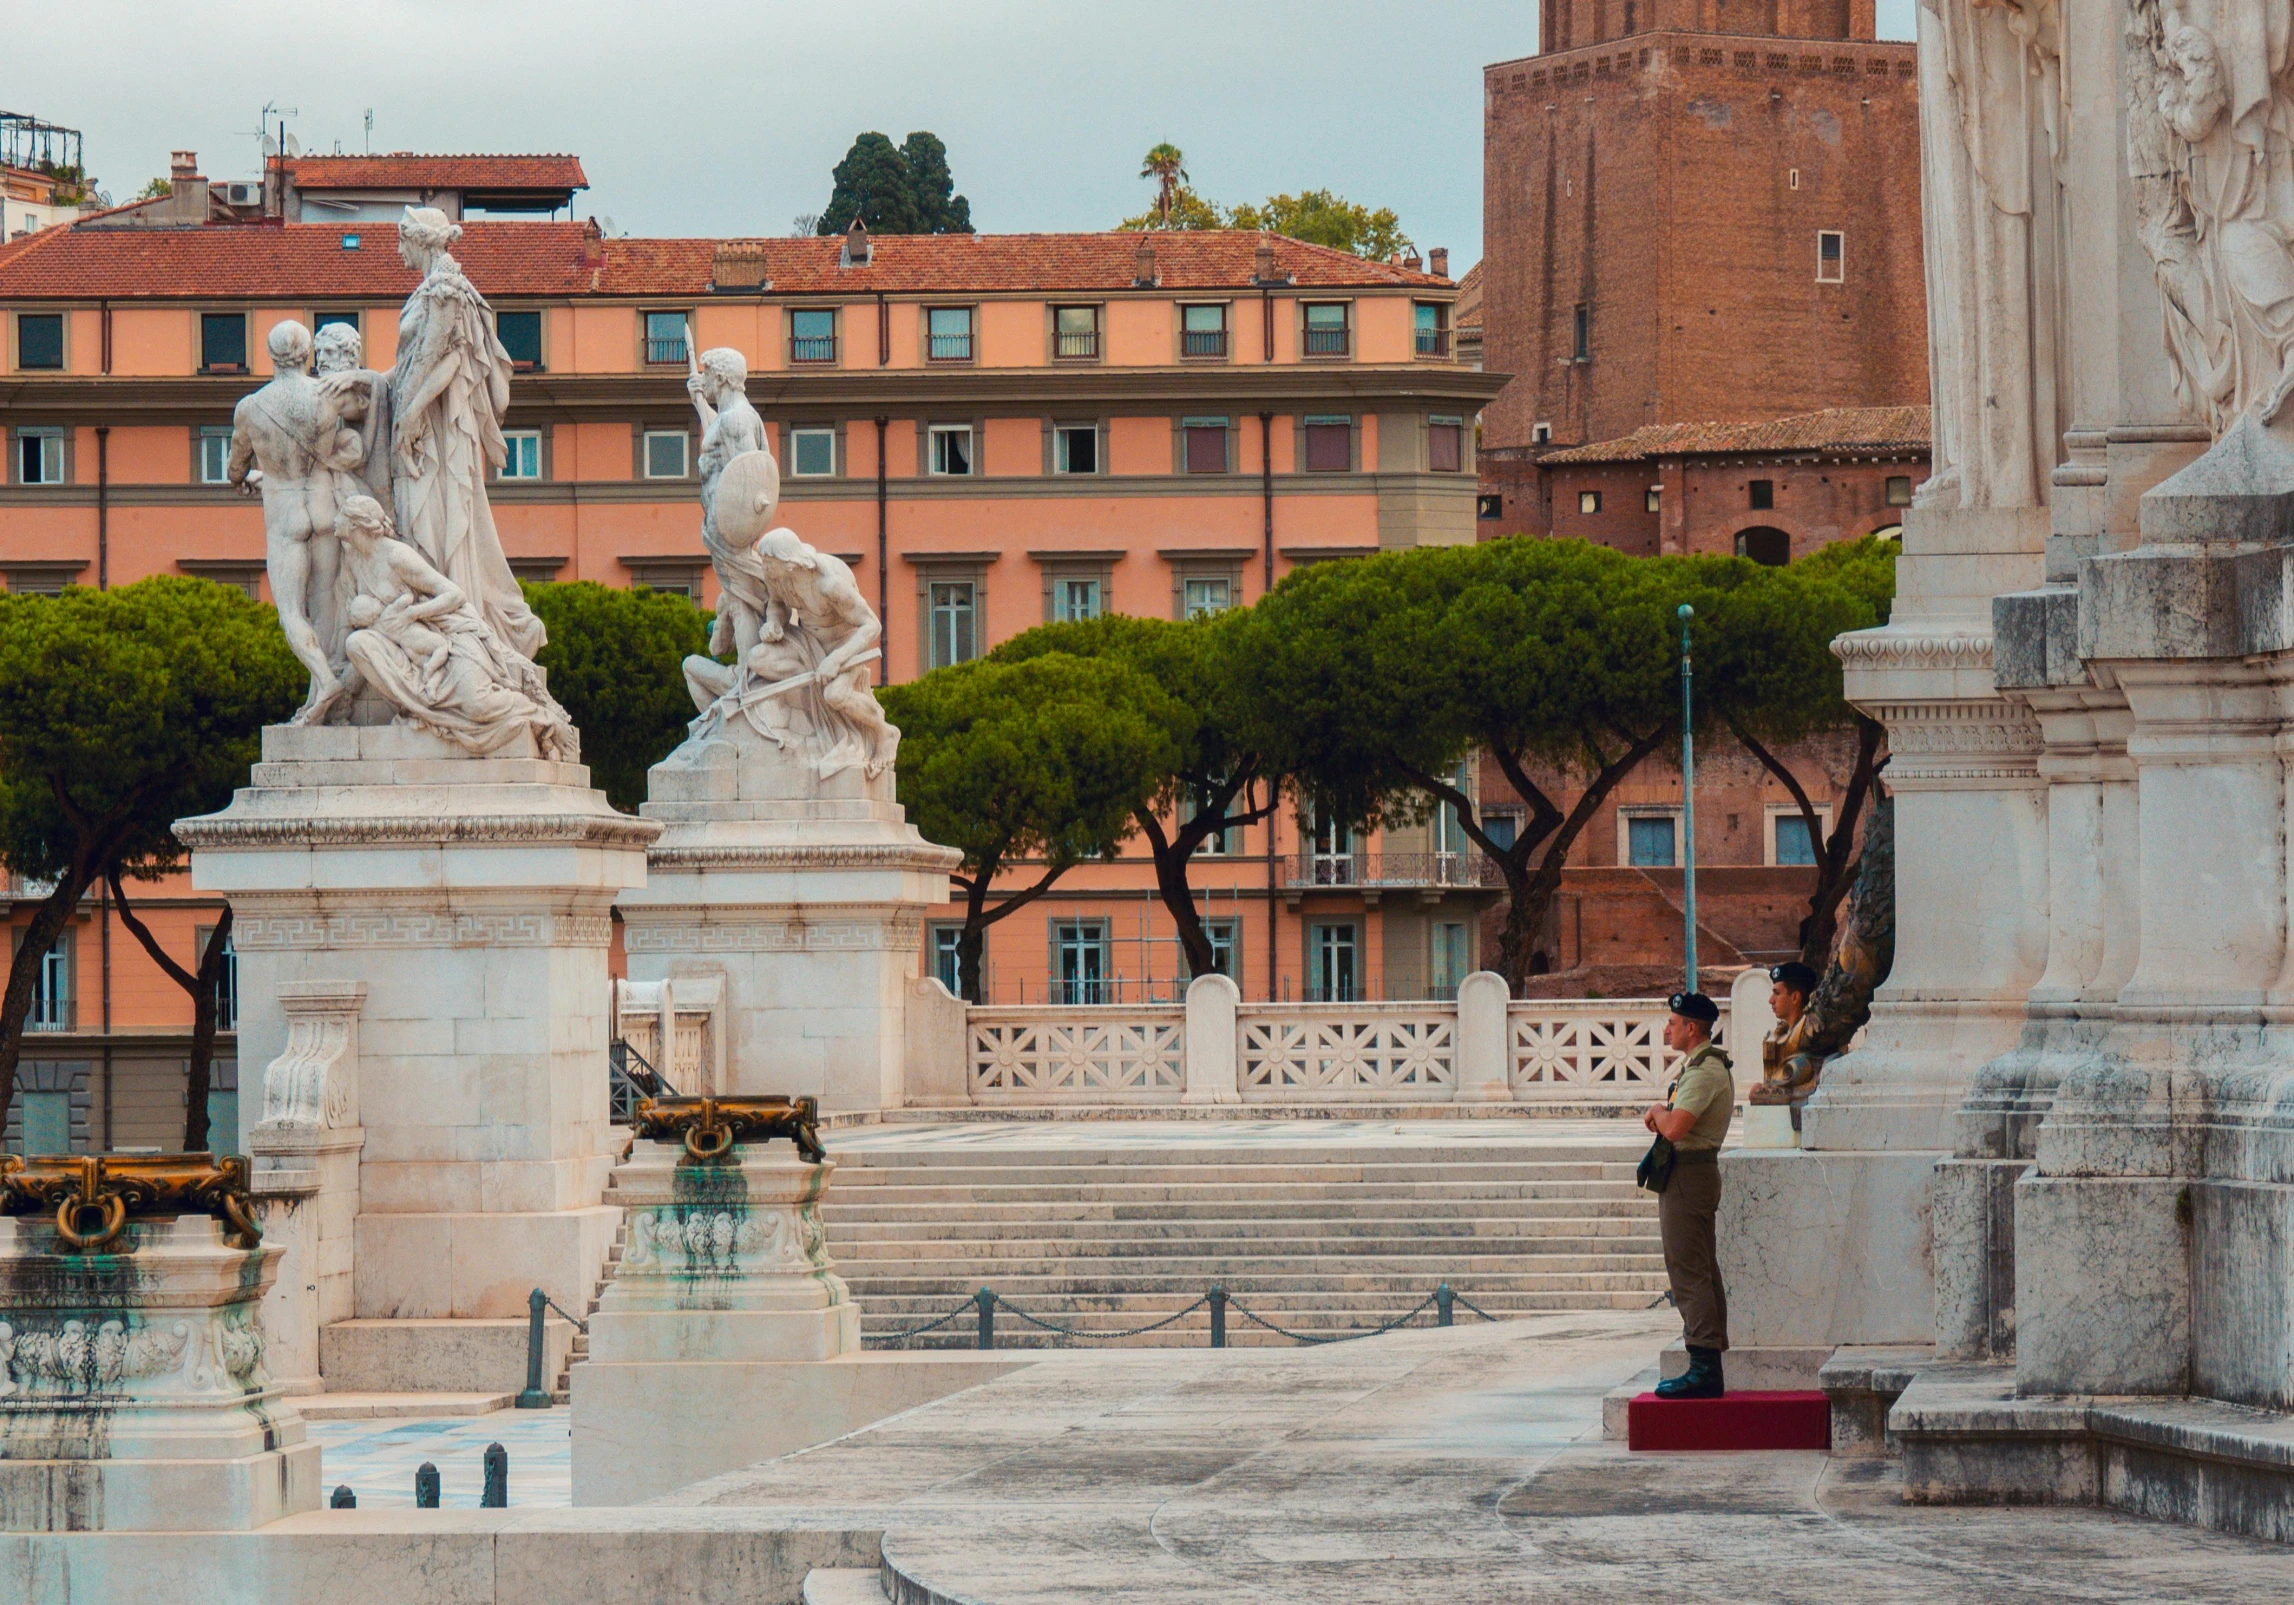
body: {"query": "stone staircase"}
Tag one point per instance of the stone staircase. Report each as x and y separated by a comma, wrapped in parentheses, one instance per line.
(562, 1391)
(1315, 1236)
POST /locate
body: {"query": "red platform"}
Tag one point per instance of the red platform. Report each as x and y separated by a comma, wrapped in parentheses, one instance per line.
(1735, 1421)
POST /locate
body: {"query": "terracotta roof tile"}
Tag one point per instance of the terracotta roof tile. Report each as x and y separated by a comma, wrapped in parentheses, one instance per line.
(416, 170)
(519, 258)
(1832, 429)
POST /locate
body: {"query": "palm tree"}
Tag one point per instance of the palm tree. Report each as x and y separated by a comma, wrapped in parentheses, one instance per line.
(1168, 167)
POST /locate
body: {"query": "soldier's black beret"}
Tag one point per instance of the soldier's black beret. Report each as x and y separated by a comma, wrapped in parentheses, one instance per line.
(1694, 1006)
(1794, 974)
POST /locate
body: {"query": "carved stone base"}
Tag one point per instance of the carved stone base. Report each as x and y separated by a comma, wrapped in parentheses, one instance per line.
(134, 1395)
(805, 897)
(473, 899)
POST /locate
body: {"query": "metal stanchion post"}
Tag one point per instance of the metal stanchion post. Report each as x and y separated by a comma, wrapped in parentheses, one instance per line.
(426, 1487)
(497, 1494)
(535, 1396)
(1444, 1298)
(986, 1300)
(342, 1498)
(1218, 1317)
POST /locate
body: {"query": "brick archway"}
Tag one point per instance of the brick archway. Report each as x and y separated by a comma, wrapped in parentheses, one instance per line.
(1765, 544)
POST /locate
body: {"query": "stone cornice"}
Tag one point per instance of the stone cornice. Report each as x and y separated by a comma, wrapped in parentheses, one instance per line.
(921, 855)
(223, 831)
(1888, 648)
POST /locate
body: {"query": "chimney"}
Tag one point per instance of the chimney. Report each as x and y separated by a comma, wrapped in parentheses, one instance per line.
(1412, 261)
(1262, 271)
(739, 265)
(1143, 274)
(1438, 261)
(183, 174)
(592, 244)
(858, 252)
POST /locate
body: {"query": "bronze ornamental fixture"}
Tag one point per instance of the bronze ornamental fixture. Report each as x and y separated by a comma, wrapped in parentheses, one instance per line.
(711, 1126)
(93, 1196)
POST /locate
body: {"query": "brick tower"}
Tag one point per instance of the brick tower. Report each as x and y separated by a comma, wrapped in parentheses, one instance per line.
(1700, 211)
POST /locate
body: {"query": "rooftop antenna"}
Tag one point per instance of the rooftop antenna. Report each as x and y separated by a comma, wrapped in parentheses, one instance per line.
(370, 131)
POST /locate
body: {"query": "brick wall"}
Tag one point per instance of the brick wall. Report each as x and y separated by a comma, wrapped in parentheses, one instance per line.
(1674, 186)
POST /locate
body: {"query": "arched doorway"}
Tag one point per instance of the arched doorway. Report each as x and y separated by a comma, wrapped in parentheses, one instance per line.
(1769, 547)
(1888, 532)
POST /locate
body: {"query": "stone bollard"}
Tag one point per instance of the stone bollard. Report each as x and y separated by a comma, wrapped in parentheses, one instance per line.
(426, 1487)
(342, 1498)
(134, 1395)
(496, 1495)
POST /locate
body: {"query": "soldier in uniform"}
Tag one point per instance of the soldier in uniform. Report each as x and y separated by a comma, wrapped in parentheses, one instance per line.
(1787, 1066)
(1694, 1118)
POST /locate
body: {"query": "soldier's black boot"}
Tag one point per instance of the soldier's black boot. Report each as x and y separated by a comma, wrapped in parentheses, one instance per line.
(1702, 1380)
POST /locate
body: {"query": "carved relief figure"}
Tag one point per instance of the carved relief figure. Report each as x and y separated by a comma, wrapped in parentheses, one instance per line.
(802, 682)
(1992, 141)
(419, 643)
(2210, 98)
(447, 396)
(286, 446)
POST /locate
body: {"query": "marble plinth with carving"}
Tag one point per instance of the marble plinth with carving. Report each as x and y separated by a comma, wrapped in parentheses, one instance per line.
(472, 898)
(804, 895)
(134, 1395)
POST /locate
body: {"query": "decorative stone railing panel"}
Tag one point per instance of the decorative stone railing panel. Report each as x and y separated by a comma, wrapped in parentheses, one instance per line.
(1295, 1049)
(1596, 1048)
(1104, 1052)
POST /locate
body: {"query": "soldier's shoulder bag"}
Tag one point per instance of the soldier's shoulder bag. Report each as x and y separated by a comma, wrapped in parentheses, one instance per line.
(1656, 1171)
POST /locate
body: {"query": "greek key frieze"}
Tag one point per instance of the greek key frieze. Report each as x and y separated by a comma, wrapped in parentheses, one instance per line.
(291, 932)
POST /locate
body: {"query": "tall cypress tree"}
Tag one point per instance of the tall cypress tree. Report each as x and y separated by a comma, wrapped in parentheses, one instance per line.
(896, 189)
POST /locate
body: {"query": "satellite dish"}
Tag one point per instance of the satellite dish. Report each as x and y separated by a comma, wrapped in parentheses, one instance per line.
(270, 147)
(605, 225)
(294, 146)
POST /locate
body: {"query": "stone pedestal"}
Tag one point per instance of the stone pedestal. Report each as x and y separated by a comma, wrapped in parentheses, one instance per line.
(471, 897)
(133, 1390)
(805, 895)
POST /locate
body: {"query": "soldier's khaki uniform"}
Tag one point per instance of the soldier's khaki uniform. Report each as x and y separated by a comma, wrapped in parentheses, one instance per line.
(1688, 1208)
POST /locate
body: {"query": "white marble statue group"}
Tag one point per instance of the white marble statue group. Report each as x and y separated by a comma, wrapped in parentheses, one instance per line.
(383, 558)
(801, 635)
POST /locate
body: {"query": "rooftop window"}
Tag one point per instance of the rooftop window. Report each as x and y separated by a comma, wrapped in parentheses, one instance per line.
(1203, 331)
(664, 337)
(1075, 332)
(521, 336)
(812, 334)
(1326, 329)
(950, 333)
(1432, 323)
(40, 341)
(222, 342)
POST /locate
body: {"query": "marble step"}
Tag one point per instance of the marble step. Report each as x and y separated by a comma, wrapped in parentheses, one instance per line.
(1214, 1190)
(1305, 1290)
(867, 1236)
(987, 1262)
(843, 1585)
(1242, 1154)
(1257, 1175)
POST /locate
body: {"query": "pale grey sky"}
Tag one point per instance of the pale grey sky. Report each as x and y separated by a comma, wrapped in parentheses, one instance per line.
(725, 116)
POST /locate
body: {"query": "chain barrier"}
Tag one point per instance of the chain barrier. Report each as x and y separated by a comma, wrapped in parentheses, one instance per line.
(1136, 1331)
(985, 1302)
(1336, 1337)
(1476, 1308)
(964, 1308)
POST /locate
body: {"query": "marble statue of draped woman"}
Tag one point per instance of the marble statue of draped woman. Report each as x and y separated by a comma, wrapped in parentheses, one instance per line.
(447, 395)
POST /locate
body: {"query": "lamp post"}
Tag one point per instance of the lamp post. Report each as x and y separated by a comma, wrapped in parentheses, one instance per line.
(1688, 806)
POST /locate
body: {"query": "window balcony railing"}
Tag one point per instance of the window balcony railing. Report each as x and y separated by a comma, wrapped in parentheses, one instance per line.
(1433, 342)
(1203, 343)
(1077, 345)
(1326, 342)
(664, 351)
(1381, 871)
(813, 348)
(951, 348)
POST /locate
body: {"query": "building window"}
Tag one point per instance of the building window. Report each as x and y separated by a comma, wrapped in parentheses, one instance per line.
(52, 989)
(523, 453)
(1652, 841)
(1589, 501)
(1329, 445)
(1075, 449)
(1200, 598)
(1490, 506)
(214, 455)
(1789, 842)
(1503, 828)
(665, 337)
(47, 1120)
(322, 320)
(1223, 936)
(1831, 249)
(812, 453)
(1332, 976)
(1206, 445)
(1326, 329)
(40, 341)
(1203, 331)
(949, 331)
(1655, 499)
(1446, 445)
(665, 453)
(1431, 323)
(39, 456)
(941, 940)
(223, 1119)
(222, 342)
(1073, 601)
(521, 336)
(1218, 843)
(1541, 434)
(1771, 548)
(954, 606)
(1079, 960)
(951, 449)
(226, 980)
(1332, 859)
(1581, 335)
(812, 334)
(1899, 490)
(1450, 959)
(1075, 333)
(1763, 495)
